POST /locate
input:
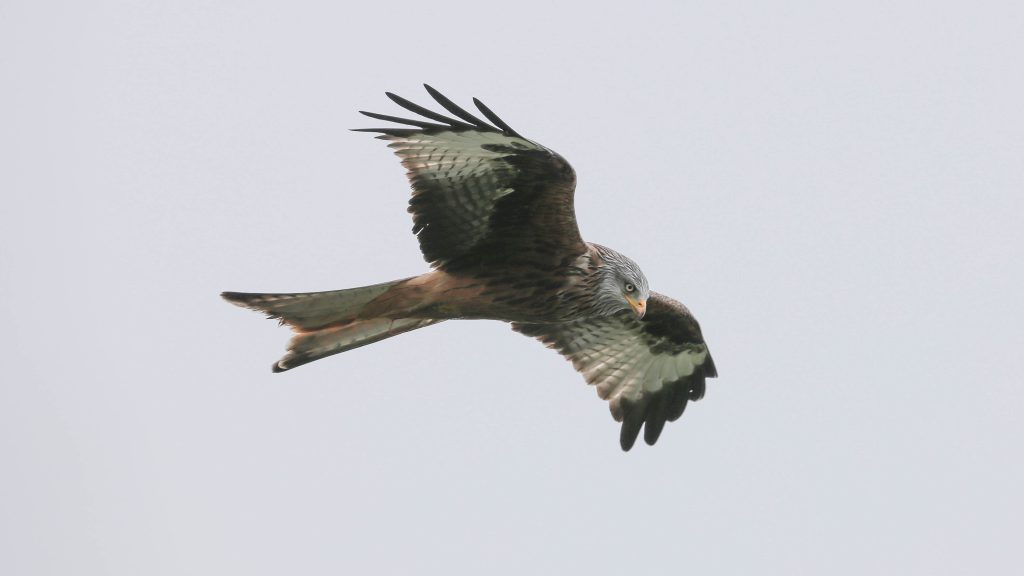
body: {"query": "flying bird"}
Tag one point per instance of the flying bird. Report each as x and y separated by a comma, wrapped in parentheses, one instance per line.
(493, 213)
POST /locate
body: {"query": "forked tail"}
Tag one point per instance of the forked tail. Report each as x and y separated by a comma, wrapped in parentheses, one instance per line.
(327, 323)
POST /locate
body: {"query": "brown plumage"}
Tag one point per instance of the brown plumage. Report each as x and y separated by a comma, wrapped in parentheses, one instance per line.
(493, 213)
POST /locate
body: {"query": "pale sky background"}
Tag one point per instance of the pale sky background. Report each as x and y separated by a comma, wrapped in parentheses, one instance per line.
(837, 192)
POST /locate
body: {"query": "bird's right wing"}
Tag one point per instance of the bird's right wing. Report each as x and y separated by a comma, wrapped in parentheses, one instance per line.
(481, 192)
(647, 369)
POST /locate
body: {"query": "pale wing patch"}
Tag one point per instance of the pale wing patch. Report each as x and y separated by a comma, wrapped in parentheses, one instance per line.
(623, 365)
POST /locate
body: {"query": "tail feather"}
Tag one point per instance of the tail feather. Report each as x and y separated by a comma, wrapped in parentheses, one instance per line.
(328, 323)
(312, 310)
(306, 347)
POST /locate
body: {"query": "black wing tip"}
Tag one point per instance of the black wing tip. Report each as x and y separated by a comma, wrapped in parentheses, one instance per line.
(626, 443)
(629, 435)
(386, 132)
(665, 406)
(648, 439)
(678, 407)
(448, 122)
(490, 115)
(631, 425)
(457, 110)
(421, 125)
(465, 122)
(652, 430)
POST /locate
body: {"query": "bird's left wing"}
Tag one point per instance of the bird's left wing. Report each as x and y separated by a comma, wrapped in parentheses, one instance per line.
(647, 369)
(482, 193)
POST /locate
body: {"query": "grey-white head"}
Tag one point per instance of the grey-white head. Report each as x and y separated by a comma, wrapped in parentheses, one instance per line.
(621, 284)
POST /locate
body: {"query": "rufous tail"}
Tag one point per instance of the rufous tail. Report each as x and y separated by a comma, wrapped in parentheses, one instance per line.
(327, 323)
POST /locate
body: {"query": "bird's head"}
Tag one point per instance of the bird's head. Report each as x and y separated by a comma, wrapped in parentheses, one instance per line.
(623, 285)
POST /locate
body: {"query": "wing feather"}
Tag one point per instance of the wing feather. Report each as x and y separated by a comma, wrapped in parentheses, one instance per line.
(456, 109)
(428, 113)
(647, 369)
(495, 119)
(407, 121)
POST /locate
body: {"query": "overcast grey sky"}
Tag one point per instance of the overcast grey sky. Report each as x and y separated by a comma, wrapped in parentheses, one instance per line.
(835, 191)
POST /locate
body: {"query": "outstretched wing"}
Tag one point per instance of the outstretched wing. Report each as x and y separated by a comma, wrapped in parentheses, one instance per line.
(482, 193)
(647, 369)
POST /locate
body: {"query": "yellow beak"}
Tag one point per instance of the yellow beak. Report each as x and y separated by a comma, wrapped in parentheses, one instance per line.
(638, 306)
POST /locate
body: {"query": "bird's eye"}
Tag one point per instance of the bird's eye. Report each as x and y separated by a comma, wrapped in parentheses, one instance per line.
(630, 287)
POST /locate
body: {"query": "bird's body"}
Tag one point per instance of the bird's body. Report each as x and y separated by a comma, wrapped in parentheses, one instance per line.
(512, 292)
(494, 215)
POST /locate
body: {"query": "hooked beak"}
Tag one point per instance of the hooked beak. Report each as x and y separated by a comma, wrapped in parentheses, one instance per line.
(638, 306)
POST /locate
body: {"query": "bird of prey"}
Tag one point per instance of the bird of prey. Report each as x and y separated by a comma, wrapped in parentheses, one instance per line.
(493, 213)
